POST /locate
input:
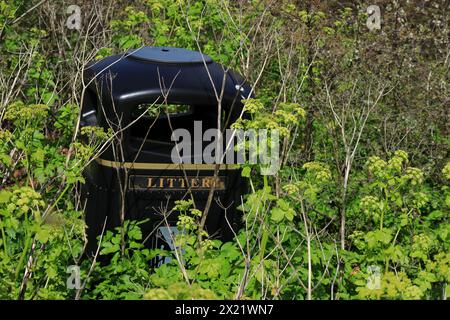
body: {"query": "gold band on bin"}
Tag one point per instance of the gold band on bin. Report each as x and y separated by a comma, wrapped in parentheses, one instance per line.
(164, 166)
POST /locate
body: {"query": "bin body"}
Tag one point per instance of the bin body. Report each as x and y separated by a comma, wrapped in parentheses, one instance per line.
(136, 173)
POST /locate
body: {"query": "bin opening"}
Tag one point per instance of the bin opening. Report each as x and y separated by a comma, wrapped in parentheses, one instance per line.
(156, 122)
(152, 111)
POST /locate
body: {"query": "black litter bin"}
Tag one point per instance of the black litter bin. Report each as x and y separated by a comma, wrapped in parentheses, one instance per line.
(184, 84)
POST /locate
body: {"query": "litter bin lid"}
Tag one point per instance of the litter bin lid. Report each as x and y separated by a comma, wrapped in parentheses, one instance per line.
(169, 55)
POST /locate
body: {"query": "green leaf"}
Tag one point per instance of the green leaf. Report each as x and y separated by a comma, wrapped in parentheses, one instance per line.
(384, 235)
(246, 172)
(290, 214)
(277, 214)
(4, 196)
(283, 204)
(109, 248)
(43, 235)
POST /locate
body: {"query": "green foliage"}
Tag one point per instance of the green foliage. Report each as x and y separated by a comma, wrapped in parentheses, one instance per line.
(180, 291)
(179, 24)
(405, 234)
(284, 119)
(53, 239)
(127, 274)
(42, 231)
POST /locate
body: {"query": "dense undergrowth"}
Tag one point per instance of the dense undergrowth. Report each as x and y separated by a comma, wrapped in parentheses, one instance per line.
(358, 210)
